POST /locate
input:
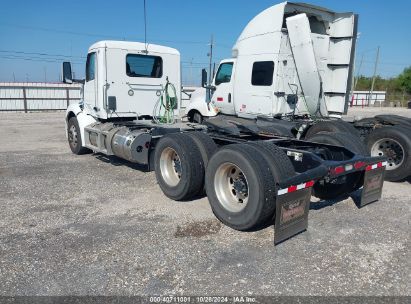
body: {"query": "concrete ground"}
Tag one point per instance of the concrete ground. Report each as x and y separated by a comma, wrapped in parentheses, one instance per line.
(88, 225)
(372, 111)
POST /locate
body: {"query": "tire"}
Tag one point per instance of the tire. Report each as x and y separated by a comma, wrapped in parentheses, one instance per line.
(197, 117)
(399, 162)
(280, 165)
(347, 183)
(395, 120)
(74, 137)
(281, 169)
(179, 166)
(240, 187)
(205, 144)
(332, 126)
(347, 140)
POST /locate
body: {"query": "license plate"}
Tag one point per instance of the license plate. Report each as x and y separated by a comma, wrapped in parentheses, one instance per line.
(372, 189)
(291, 214)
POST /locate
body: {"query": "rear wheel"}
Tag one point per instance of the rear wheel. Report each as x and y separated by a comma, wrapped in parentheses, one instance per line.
(344, 184)
(280, 165)
(346, 140)
(393, 142)
(74, 137)
(241, 186)
(332, 126)
(179, 166)
(205, 144)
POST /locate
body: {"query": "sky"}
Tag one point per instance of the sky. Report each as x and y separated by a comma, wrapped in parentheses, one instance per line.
(36, 36)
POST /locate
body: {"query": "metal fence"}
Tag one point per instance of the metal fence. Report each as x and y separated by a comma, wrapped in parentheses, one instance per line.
(397, 100)
(379, 99)
(35, 96)
(365, 98)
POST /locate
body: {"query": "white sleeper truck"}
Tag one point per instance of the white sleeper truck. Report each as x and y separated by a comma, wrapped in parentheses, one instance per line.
(252, 177)
(293, 65)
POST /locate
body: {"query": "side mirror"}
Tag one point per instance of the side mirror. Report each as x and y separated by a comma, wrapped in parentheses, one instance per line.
(67, 74)
(203, 78)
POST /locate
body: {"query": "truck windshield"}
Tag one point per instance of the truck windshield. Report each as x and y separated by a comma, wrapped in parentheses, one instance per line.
(224, 73)
(144, 66)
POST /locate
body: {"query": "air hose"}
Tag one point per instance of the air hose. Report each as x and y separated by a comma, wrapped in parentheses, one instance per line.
(163, 112)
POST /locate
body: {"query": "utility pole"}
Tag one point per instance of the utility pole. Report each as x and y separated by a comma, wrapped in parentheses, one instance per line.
(191, 72)
(211, 60)
(358, 72)
(45, 74)
(377, 58)
(14, 77)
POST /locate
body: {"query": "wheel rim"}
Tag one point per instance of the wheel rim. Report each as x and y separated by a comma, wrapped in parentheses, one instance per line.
(231, 187)
(391, 149)
(73, 136)
(170, 167)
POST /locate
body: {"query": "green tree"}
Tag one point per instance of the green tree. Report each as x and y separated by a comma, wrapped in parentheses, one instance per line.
(404, 80)
(400, 84)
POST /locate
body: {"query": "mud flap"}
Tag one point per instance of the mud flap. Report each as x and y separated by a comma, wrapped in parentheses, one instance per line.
(372, 189)
(291, 214)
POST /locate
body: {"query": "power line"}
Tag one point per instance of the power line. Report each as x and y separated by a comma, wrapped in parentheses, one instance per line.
(36, 28)
(387, 63)
(81, 57)
(40, 54)
(11, 57)
(96, 34)
(49, 57)
(39, 58)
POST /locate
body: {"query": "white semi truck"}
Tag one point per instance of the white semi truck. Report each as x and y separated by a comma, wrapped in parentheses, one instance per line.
(251, 176)
(294, 62)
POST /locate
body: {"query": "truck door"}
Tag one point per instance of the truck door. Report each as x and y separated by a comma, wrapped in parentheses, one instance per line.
(223, 95)
(90, 85)
(254, 85)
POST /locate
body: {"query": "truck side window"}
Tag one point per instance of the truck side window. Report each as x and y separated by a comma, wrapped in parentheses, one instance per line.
(144, 66)
(224, 73)
(262, 74)
(91, 66)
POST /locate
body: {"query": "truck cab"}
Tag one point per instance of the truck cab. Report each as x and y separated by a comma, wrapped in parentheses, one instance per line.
(223, 81)
(292, 58)
(125, 79)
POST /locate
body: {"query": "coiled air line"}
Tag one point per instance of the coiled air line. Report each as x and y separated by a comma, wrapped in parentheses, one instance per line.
(163, 112)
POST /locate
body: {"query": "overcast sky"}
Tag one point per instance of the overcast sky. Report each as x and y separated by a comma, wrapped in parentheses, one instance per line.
(37, 35)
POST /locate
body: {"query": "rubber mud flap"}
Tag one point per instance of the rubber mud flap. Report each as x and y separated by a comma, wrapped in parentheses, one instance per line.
(372, 189)
(291, 214)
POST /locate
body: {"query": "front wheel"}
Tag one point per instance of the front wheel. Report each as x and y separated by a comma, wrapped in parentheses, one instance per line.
(74, 137)
(196, 117)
